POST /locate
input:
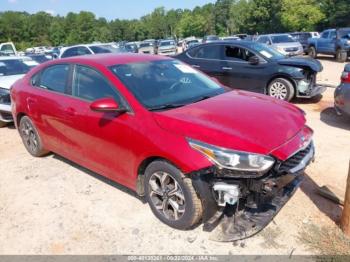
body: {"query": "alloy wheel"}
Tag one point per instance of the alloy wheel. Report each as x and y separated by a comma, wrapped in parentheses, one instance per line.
(29, 136)
(279, 90)
(167, 195)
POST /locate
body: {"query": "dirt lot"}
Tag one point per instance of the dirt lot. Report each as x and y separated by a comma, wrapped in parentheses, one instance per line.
(51, 206)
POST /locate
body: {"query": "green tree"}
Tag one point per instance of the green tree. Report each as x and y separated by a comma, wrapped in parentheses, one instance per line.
(191, 25)
(337, 13)
(305, 16)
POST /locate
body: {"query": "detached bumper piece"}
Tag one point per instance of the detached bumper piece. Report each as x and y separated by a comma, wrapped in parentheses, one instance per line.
(249, 222)
(260, 198)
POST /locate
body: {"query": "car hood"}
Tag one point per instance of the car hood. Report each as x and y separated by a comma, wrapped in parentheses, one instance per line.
(286, 45)
(166, 47)
(8, 81)
(236, 120)
(303, 62)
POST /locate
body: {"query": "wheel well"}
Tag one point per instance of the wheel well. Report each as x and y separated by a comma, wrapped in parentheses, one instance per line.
(18, 118)
(284, 77)
(141, 172)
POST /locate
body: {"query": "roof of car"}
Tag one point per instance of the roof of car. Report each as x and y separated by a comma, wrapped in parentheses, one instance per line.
(13, 57)
(113, 59)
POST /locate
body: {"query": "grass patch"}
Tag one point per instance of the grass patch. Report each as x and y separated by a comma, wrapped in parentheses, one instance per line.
(325, 240)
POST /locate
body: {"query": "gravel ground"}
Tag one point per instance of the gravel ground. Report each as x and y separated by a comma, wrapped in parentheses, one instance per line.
(52, 206)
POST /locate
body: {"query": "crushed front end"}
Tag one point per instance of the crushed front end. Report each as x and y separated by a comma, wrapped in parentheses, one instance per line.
(307, 86)
(239, 204)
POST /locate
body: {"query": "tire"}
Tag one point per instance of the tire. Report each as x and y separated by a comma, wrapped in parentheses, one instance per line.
(312, 52)
(30, 138)
(341, 56)
(2, 124)
(177, 191)
(281, 88)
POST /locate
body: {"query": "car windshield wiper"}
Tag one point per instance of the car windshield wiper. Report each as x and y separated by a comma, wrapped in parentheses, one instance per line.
(166, 106)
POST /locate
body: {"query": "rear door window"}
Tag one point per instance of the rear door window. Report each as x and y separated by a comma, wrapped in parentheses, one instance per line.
(209, 52)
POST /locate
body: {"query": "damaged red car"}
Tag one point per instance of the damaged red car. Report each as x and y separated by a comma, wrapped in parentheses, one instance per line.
(195, 151)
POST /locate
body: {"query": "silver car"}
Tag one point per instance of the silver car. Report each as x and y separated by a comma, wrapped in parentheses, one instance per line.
(167, 47)
(342, 93)
(284, 43)
(12, 68)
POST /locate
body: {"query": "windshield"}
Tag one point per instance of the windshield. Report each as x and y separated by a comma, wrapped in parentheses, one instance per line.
(102, 49)
(344, 33)
(267, 51)
(167, 43)
(213, 37)
(192, 42)
(130, 47)
(145, 44)
(15, 66)
(282, 39)
(159, 85)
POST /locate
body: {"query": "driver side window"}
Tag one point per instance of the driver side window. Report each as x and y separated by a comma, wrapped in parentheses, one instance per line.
(238, 54)
(90, 85)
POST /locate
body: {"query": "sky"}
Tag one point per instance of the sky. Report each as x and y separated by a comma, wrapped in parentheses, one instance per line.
(109, 9)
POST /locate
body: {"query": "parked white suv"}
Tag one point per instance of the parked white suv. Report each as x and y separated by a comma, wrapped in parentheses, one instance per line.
(88, 49)
(12, 68)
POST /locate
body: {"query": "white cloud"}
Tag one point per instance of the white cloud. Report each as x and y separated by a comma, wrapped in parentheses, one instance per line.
(50, 12)
(12, 1)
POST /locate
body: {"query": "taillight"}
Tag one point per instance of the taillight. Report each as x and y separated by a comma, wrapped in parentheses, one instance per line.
(345, 77)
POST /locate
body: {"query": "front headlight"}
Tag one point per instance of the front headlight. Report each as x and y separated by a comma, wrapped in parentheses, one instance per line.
(233, 160)
(4, 96)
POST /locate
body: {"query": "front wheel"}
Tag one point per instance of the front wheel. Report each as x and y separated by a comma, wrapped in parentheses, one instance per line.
(171, 196)
(281, 88)
(312, 52)
(31, 138)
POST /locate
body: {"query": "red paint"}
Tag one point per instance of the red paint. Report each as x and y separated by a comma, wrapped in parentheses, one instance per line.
(114, 144)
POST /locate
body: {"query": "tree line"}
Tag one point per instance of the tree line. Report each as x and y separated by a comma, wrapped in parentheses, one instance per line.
(224, 17)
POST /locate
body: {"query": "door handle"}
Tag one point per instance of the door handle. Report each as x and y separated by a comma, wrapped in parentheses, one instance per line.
(70, 111)
(227, 68)
(196, 66)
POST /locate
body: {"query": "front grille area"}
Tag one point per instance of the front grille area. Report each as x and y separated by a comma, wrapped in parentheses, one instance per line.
(5, 116)
(295, 160)
(291, 49)
(5, 99)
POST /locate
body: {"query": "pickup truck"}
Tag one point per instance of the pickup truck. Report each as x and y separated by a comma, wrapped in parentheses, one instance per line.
(332, 42)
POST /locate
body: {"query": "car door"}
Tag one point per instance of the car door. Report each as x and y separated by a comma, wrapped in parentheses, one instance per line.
(240, 73)
(331, 46)
(323, 42)
(208, 59)
(107, 136)
(54, 111)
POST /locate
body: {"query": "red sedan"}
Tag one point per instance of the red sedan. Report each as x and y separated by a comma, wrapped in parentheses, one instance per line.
(172, 134)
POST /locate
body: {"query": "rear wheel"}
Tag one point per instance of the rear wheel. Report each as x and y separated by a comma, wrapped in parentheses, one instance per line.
(281, 88)
(341, 56)
(31, 138)
(312, 52)
(171, 196)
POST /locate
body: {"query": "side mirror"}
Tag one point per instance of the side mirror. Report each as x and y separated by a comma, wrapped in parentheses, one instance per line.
(254, 60)
(106, 105)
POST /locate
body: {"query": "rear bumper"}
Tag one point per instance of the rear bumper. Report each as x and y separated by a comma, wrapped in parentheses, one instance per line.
(5, 113)
(342, 99)
(260, 201)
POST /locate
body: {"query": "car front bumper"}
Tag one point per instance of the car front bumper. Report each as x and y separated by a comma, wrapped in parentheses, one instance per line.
(169, 53)
(342, 99)
(261, 198)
